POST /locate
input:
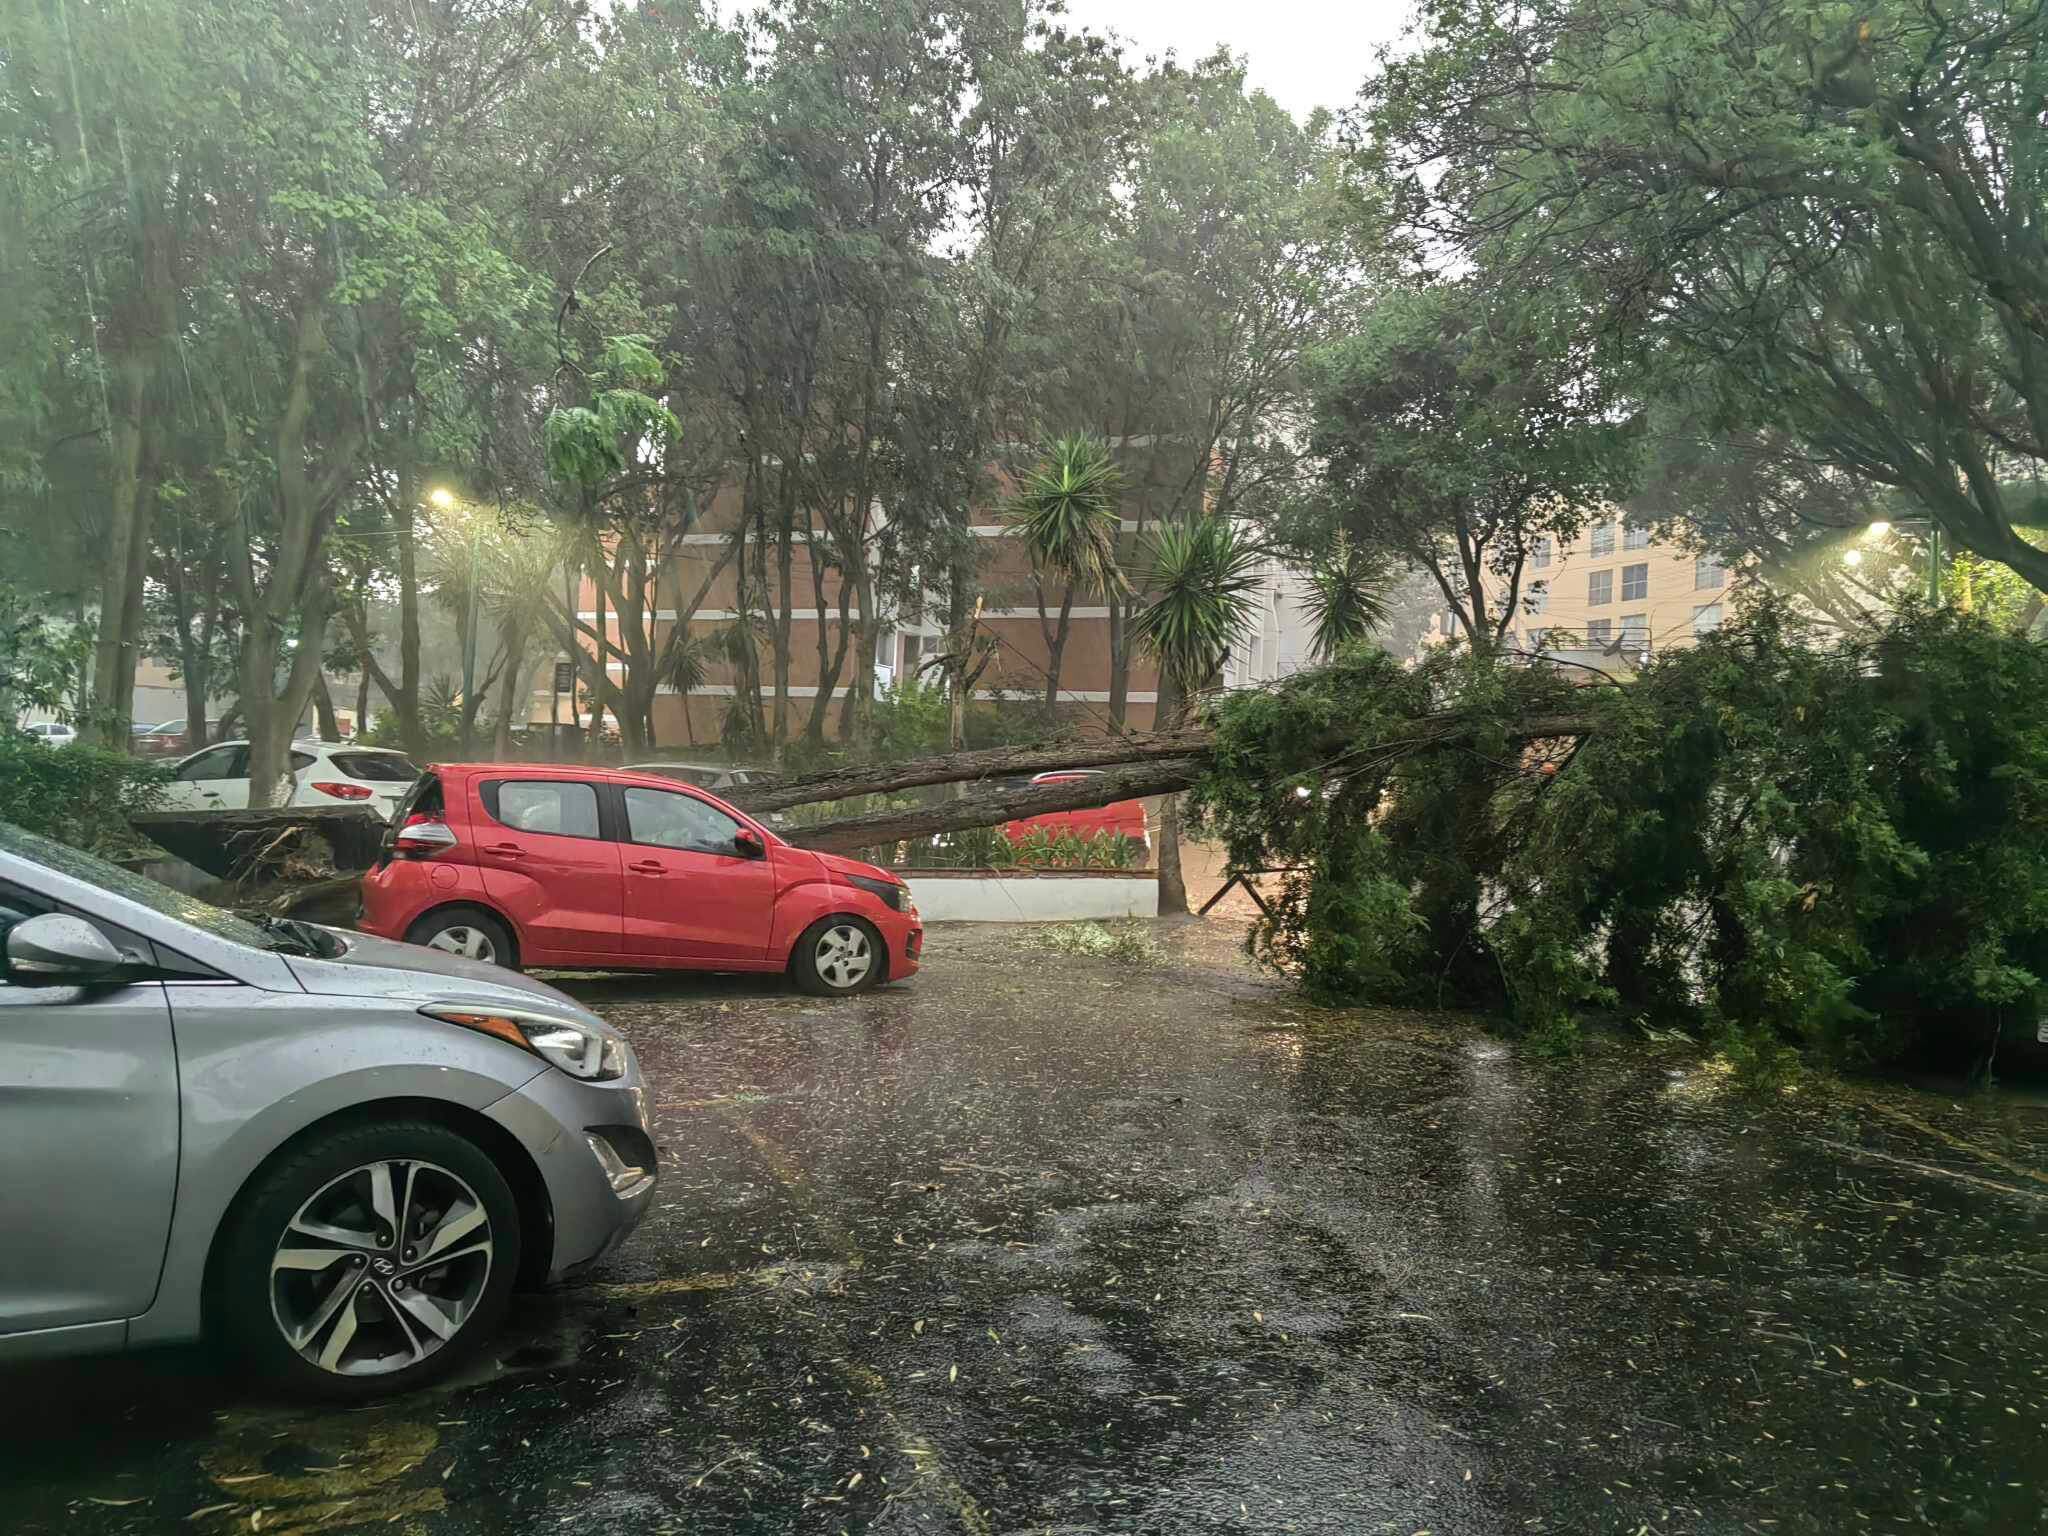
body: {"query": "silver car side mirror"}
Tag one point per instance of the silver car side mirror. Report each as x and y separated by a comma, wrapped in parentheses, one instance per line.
(61, 946)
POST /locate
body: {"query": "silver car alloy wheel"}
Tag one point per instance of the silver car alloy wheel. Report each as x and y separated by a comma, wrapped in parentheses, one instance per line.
(470, 943)
(381, 1268)
(844, 956)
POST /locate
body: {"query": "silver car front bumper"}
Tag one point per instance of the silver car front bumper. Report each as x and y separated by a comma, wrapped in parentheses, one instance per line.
(594, 1146)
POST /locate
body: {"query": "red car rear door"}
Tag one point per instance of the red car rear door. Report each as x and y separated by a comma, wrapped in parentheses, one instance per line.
(546, 861)
(690, 895)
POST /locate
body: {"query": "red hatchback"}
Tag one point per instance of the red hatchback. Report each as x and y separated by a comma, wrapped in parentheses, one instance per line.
(596, 869)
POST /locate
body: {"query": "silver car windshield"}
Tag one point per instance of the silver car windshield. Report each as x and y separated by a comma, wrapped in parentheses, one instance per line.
(153, 894)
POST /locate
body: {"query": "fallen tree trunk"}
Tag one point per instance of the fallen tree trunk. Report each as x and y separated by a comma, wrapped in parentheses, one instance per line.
(992, 807)
(967, 767)
(1117, 777)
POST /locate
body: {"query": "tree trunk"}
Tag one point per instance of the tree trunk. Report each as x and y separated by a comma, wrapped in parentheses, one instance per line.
(323, 710)
(1056, 646)
(148, 325)
(1173, 891)
(992, 807)
(362, 704)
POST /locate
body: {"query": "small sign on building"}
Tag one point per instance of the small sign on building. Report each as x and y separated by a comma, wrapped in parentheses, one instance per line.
(565, 677)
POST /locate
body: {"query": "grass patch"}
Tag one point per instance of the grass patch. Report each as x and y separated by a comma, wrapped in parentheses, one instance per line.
(1126, 942)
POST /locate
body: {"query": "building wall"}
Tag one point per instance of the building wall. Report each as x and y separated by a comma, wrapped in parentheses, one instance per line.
(1613, 587)
(1019, 669)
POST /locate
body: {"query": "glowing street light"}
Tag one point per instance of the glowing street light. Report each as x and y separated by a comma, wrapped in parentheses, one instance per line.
(1878, 530)
(441, 497)
(1852, 557)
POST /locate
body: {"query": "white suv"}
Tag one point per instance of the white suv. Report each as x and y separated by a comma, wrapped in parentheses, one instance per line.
(51, 733)
(323, 773)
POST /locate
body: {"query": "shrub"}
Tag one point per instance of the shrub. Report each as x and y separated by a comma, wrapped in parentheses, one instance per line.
(78, 794)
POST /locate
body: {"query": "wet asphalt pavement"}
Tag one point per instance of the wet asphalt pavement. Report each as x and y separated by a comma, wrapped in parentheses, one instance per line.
(1035, 1244)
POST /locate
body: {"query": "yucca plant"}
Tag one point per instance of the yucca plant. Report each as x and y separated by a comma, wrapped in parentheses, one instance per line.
(1345, 598)
(1067, 515)
(1204, 575)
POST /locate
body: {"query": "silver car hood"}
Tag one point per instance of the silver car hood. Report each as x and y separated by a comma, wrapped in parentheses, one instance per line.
(373, 967)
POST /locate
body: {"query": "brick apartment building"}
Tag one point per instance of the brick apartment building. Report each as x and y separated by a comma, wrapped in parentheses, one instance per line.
(1010, 613)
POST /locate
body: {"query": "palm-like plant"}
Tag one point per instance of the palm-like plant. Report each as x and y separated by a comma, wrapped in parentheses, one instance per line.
(1346, 598)
(1066, 514)
(1204, 575)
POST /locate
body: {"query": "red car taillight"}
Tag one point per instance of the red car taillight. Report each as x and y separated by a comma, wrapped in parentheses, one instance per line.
(343, 791)
(423, 835)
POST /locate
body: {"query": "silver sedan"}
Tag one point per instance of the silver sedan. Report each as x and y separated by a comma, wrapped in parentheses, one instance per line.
(337, 1154)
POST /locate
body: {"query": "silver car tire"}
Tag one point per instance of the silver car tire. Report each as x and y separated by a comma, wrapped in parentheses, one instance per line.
(369, 1321)
(839, 957)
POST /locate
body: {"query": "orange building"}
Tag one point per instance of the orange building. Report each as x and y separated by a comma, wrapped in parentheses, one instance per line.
(1010, 614)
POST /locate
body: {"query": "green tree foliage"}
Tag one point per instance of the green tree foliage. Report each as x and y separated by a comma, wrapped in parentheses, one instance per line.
(1459, 426)
(1831, 846)
(1832, 212)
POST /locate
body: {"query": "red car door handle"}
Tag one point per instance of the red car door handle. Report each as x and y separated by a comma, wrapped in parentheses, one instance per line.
(647, 867)
(505, 850)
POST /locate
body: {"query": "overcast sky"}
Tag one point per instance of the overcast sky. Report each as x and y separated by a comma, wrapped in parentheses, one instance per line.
(1304, 53)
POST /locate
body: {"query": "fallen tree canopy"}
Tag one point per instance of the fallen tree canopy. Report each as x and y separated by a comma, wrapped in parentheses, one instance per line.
(1782, 838)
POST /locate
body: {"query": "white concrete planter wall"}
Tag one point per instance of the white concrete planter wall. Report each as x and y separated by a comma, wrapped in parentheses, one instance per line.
(1048, 896)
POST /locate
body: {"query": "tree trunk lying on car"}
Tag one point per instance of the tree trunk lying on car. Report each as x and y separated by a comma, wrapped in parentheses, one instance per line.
(269, 843)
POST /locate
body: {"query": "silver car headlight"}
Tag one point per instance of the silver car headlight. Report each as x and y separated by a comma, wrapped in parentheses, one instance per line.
(593, 1055)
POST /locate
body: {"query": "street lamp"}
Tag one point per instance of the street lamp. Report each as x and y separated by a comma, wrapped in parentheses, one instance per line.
(1881, 529)
(441, 497)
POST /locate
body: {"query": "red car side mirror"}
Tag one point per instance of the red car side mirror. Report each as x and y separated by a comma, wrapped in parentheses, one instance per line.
(747, 843)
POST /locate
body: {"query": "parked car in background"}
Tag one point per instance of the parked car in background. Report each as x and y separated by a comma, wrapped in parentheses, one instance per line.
(602, 869)
(336, 1153)
(52, 733)
(166, 739)
(1119, 816)
(323, 773)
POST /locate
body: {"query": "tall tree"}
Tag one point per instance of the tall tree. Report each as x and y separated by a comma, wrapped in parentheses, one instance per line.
(1460, 426)
(1836, 212)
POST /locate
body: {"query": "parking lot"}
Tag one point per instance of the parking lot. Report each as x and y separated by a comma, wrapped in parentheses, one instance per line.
(1038, 1243)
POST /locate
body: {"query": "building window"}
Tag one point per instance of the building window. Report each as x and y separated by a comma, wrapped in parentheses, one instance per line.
(1706, 619)
(1540, 555)
(1599, 587)
(1635, 582)
(1635, 629)
(1635, 536)
(1599, 631)
(1707, 574)
(1450, 621)
(1539, 597)
(1538, 638)
(1603, 540)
